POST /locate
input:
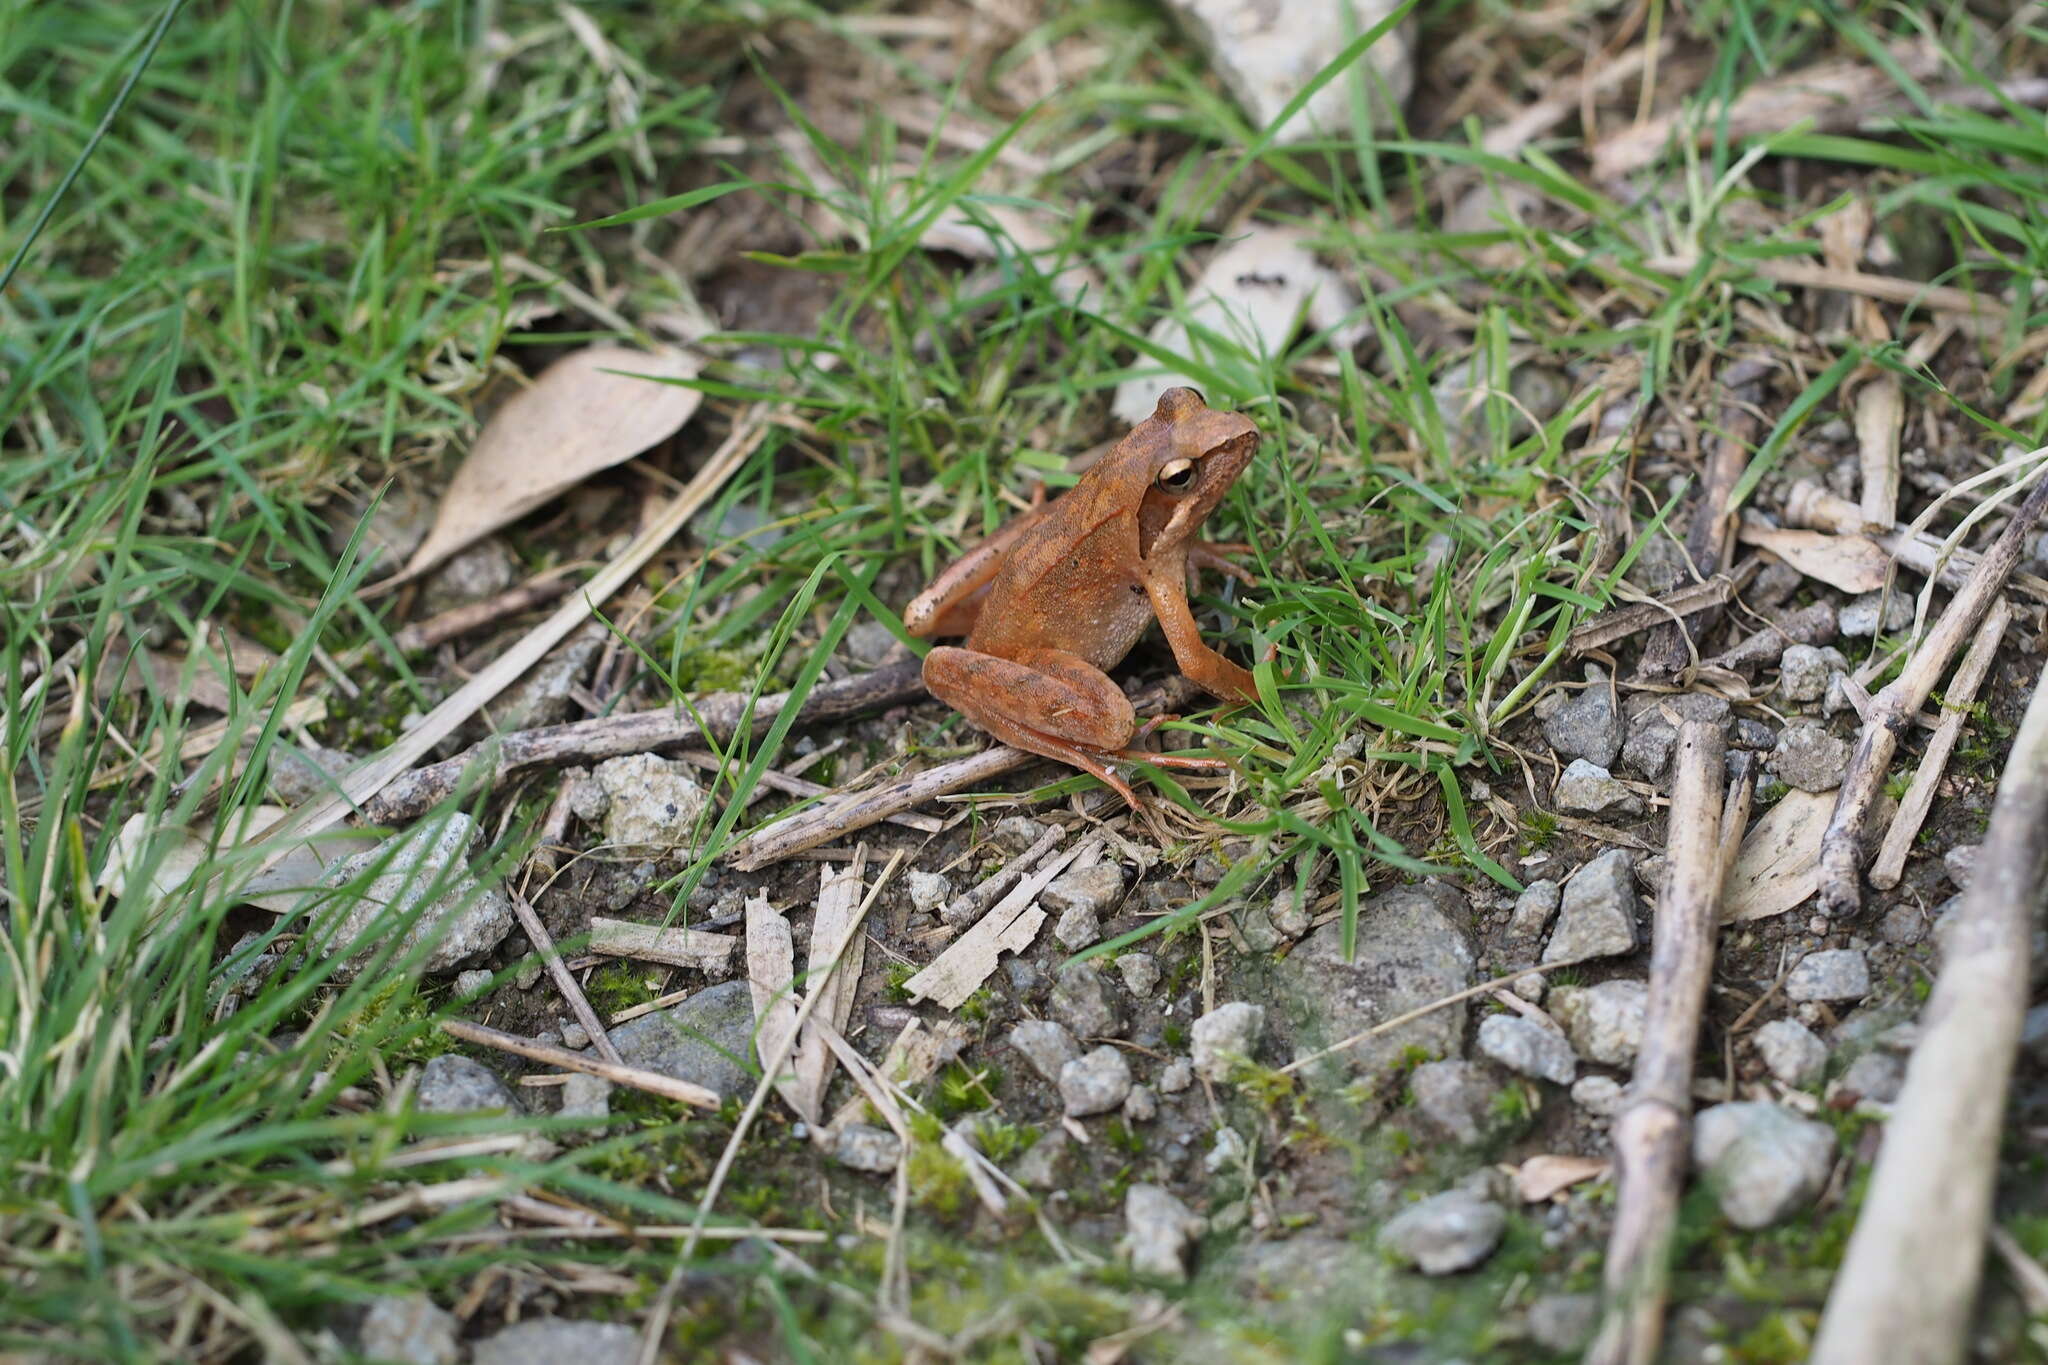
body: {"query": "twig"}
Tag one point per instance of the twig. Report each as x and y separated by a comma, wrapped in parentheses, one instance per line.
(1892, 711)
(1938, 298)
(1890, 863)
(837, 815)
(1606, 628)
(1650, 1133)
(1808, 504)
(673, 947)
(412, 793)
(653, 1082)
(775, 780)
(565, 980)
(458, 621)
(1909, 1280)
(1880, 408)
(970, 904)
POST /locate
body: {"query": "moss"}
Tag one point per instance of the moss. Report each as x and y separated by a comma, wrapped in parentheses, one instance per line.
(614, 987)
(965, 1090)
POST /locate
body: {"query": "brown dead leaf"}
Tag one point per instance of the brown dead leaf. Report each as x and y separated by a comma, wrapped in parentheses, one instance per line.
(1851, 563)
(585, 413)
(1778, 866)
(1545, 1177)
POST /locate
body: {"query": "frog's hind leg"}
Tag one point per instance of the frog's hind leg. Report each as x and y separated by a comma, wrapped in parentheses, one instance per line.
(1045, 701)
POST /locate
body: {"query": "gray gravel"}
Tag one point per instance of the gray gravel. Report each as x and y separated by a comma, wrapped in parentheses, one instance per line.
(1597, 914)
(1528, 1047)
(1046, 1045)
(1444, 1233)
(1533, 910)
(1588, 789)
(703, 1040)
(552, 1341)
(863, 1147)
(1586, 725)
(1763, 1162)
(1809, 757)
(1159, 1232)
(454, 1084)
(1456, 1097)
(409, 1328)
(1604, 1022)
(1834, 974)
(1082, 1003)
(1226, 1038)
(419, 878)
(1095, 1082)
(1792, 1052)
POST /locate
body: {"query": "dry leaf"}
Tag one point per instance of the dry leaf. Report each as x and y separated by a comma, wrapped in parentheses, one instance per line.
(1010, 924)
(1251, 298)
(1778, 866)
(839, 896)
(1851, 563)
(771, 968)
(1545, 1177)
(585, 413)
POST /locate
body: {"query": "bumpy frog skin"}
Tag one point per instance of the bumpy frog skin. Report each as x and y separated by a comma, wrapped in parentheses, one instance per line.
(1062, 593)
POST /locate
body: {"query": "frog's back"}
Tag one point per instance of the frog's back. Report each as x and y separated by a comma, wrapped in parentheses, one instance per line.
(1068, 588)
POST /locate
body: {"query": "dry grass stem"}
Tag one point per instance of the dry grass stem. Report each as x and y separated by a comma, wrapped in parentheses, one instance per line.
(565, 981)
(653, 1082)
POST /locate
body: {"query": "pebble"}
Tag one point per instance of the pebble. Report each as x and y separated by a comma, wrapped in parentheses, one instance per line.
(653, 804)
(1226, 1038)
(1095, 1082)
(472, 983)
(1140, 972)
(410, 1329)
(1903, 925)
(1563, 1323)
(703, 1040)
(1092, 890)
(1597, 912)
(1141, 1105)
(1803, 671)
(1228, 1151)
(483, 570)
(1587, 789)
(1599, 1096)
(424, 865)
(575, 1037)
(550, 1341)
(586, 1097)
(1159, 1232)
(1859, 616)
(1792, 1052)
(1833, 974)
(1652, 735)
(1533, 909)
(1015, 833)
(1290, 914)
(1874, 1076)
(1809, 758)
(1413, 947)
(1177, 1076)
(454, 1084)
(1959, 862)
(1456, 1097)
(1444, 1233)
(1604, 1022)
(1046, 1045)
(1530, 987)
(864, 1147)
(929, 891)
(1081, 1002)
(1078, 926)
(1755, 735)
(1587, 725)
(1529, 1047)
(1043, 1167)
(1762, 1161)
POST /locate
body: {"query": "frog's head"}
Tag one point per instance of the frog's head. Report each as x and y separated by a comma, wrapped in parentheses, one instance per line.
(1196, 454)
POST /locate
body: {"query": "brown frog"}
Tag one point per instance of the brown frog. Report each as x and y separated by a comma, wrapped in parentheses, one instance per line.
(1062, 592)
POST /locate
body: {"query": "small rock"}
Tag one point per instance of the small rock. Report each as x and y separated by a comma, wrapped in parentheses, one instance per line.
(866, 643)
(1046, 1045)
(705, 1040)
(1261, 935)
(1078, 927)
(1228, 1152)
(541, 695)
(299, 775)
(1159, 1230)
(1457, 1097)
(1089, 890)
(1834, 974)
(1874, 1076)
(1447, 1232)
(387, 885)
(1591, 790)
(1803, 672)
(1750, 734)
(454, 1084)
(551, 1341)
(929, 891)
(575, 1037)
(1604, 1022)
(1587, 726)
(409, 1328)
(1563, 1323)
(1530, 987)
(1597, 912)
(1226, 1038)
(863, 1147)
(1960, 862)
(586, 1097)
(1043, 1167)
(1529, 1047)
(1903, 925)
(1290, 914)
(1762, 1160)
(1140, 972)
(1141, 1105)
(1809, 758)
(472, 983)
(1599, 1096)
(1859, 616)
(483, 570)
(1533, 909)
(1838, 697)
(1095, 1083)
(1178, 1075)
(652, 804)
(1081, 1001)
(1792, 1052)
(1015, 833)
(1653, 733)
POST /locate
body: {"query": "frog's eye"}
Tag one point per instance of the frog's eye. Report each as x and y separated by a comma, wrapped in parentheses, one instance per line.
(1177, 476)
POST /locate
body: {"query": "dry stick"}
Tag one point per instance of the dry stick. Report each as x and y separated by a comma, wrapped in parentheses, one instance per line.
(565, 981)
(412, 793)
(369, 777)
(1907, 1285)
(1880, 411)
(1808, 504)
(970, 904)
(773, 780)
(1650, 1133)
(1605, 629)
(1939, 298)
(1536, 119)
(653, 1082)
(458, 621)
(1892, 711)
(1890, 863)
(843, 814)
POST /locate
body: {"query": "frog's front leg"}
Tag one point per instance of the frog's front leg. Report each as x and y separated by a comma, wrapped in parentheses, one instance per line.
(1045, 701)
(1201, 665)
(952, 603)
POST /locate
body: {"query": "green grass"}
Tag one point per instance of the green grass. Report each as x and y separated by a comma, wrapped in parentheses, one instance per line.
(314, 237)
